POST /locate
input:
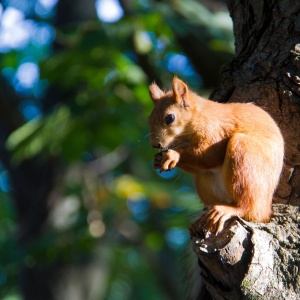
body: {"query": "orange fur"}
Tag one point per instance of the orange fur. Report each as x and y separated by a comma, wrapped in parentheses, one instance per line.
(234, 151)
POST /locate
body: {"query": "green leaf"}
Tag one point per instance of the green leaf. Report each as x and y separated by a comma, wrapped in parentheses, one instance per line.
(39, 134)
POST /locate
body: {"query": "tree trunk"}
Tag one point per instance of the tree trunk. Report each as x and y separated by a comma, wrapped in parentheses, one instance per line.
(261, 261)
(252, 261)
(32, 180)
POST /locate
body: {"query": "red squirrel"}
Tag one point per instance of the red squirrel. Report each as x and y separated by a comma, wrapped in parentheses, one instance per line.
(234, 151)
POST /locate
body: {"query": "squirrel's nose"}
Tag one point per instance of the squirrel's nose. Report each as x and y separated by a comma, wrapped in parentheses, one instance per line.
(156, 145)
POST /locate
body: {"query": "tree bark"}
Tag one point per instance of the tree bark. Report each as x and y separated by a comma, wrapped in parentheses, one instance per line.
(266, 70)
(252, 261)
(261, 261)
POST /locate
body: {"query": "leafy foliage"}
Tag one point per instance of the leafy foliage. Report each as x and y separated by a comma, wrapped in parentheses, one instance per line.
(89, 109)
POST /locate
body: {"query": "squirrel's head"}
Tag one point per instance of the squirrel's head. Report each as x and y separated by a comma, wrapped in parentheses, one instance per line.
(170, 119)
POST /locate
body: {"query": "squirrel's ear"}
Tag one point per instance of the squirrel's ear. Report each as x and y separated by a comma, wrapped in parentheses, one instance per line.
(180, 91)
(155, 92)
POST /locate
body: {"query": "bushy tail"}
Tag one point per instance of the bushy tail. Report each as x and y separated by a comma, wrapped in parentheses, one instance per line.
(191, 274)
(191, 269)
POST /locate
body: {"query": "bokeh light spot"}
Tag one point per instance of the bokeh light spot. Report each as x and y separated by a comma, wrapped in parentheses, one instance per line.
(44, 34)
(109, 10)
(28, 74)
(44, 8)
(167, 174)
(4, 181)
(179, 63)
(96, 228)
(49, 4)
(1, 11)
(11, 16)
(177, 237)
(30, 110)
(138, 205)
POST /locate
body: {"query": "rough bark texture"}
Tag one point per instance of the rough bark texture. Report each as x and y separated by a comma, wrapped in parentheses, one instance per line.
(266, 71)
(253, 261)
(262, 261)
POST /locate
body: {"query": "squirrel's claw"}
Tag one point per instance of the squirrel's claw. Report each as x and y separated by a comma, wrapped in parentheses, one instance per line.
(217, 216)
(213, 222)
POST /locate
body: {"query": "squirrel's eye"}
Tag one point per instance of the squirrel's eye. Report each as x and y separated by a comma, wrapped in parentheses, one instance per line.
(169, 119)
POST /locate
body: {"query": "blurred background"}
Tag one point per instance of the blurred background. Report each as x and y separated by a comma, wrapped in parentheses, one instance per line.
(82, 213)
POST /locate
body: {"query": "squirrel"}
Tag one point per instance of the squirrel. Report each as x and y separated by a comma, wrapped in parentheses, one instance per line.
(234, 151)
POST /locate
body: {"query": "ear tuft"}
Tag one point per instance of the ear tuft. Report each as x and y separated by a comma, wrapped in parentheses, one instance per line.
(155, 92)
(180, 91)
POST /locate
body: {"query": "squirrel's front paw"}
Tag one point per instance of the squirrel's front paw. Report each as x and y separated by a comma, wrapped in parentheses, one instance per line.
(166, 160)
